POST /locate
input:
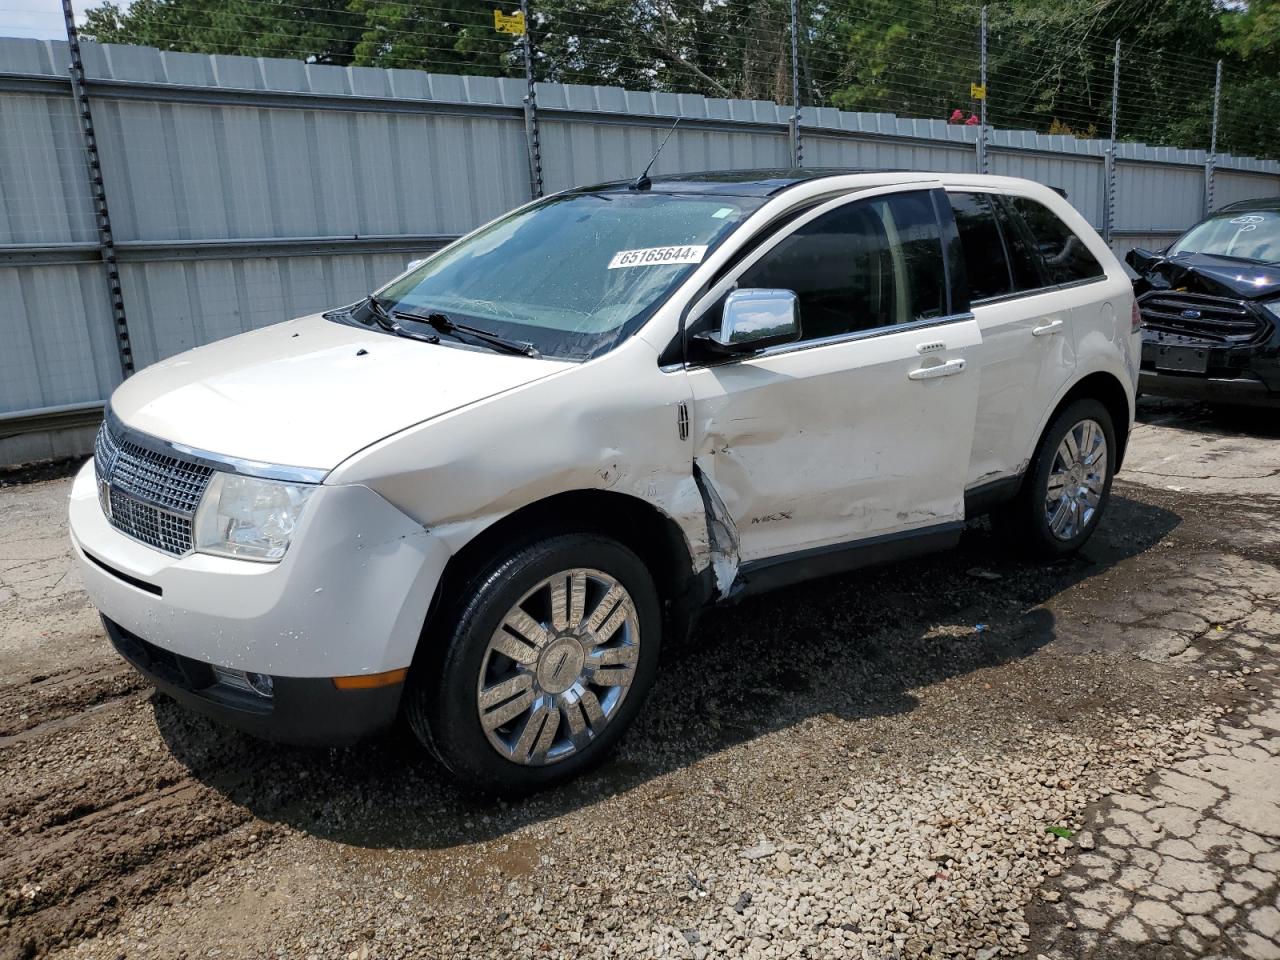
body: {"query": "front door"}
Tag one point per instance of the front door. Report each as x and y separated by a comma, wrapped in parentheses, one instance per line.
(862, 428)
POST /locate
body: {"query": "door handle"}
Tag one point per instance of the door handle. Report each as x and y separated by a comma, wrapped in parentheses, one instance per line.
(1048, 329)
(948, 369)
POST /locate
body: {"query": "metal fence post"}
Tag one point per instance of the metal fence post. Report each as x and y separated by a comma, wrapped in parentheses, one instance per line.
(983, 166)
(1109, 191)
(106, 240)
(797, 156)
(1211, 161)
(530, 107)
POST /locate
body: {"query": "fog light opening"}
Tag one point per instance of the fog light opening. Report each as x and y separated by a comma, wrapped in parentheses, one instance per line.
(259, 684)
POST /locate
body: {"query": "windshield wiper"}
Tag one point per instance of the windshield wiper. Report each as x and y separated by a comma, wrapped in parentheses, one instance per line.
(379, 312)
(388, 322)
(442, 323)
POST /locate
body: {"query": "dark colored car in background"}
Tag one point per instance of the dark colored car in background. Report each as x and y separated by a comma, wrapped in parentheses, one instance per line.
(1210, 309)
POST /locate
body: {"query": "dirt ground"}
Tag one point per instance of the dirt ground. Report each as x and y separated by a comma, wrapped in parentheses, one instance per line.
(920, 760)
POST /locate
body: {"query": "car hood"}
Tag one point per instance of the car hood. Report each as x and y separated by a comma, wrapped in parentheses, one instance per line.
(1204, 273)
(311, 392)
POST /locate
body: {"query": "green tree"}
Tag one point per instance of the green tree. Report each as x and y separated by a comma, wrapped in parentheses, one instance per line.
(915, 58)
(324, 31)
(1251, 100)
(1055, 62)
(443, 36)
(1050, 61)
(735, 48)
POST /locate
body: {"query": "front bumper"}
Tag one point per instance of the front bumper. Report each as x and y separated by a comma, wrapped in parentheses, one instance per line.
(1241, 391)
(350, 597)
(1236, 373)
(301, 710)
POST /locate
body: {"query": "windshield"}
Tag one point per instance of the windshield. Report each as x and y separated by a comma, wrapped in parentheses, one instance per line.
(1246, 236)
(574, 274)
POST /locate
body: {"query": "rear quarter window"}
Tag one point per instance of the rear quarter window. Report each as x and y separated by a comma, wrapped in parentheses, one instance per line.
(1064, 256)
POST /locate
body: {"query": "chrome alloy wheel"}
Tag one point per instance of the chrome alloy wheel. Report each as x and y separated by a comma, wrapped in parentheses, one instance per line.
(558, 667)
(1076, 480)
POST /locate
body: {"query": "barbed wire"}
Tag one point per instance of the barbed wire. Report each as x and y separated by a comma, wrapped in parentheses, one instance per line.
(892, 61)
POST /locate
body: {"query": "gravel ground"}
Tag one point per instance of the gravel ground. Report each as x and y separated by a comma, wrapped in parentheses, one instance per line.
(963, 756)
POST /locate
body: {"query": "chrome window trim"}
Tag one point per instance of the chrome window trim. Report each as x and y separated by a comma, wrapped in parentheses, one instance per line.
(215, 461)
(857, 335)
(842, 338)
(1082, 282)
(1037, 291)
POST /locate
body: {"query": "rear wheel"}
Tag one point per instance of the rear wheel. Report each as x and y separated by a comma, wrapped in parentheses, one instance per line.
(1069, 484)
(544, 664)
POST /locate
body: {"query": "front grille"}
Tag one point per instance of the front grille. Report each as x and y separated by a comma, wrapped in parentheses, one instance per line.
(1214, 319)
(156, 528)
(146, 494)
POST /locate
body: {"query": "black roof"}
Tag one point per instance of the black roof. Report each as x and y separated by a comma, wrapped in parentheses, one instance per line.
(739, 183)
(1259, 203)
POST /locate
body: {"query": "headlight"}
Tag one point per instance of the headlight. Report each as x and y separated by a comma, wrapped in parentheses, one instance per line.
(249, 518)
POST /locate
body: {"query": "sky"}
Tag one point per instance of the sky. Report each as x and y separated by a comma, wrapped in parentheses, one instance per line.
(41, 19)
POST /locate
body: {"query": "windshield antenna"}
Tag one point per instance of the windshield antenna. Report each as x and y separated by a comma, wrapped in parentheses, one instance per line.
(643, 182)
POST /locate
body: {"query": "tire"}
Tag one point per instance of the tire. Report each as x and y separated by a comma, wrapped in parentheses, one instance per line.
(1028, 519)
(474, 663)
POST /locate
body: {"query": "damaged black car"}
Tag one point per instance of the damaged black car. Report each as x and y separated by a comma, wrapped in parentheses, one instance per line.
(1210, 308)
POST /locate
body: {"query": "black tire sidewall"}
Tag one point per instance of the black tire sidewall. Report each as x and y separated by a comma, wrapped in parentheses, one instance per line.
(442, 692)
(1041, 540)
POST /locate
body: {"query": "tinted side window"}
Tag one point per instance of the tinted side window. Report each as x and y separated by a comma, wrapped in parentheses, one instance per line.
(1065, 256)
(985, 262)
(1018, 244)
(869, 264)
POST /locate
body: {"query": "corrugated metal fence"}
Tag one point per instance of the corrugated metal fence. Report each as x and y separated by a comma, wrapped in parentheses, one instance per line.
(245, 191)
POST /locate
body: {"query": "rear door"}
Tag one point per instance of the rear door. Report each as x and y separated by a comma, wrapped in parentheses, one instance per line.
(863, 428)
(1027, 352)
(1078, 277)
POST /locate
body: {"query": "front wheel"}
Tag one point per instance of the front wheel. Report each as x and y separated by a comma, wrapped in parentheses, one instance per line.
(543, 666)
(1069, 484)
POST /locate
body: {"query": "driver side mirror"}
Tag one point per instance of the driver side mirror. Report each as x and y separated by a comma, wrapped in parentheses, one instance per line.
(752, 319)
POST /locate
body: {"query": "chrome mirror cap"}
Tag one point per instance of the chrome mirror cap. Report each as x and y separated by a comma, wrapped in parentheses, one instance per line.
(755, 318)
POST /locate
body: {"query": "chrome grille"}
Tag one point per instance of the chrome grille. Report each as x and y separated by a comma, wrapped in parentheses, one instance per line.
(1216, 319)
(164, 531)
(148, 495)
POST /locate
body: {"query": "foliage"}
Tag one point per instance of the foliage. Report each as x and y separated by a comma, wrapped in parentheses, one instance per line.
(1251, 104)
(326, 32)
(1050, 61)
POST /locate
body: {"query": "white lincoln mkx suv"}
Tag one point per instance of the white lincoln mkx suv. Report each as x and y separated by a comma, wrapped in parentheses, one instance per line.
(482, 496)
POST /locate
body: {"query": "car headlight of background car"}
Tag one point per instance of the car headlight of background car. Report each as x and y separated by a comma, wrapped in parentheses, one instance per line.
(249, 518)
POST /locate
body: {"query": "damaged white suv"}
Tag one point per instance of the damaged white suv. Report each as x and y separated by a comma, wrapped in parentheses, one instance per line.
(482, 496)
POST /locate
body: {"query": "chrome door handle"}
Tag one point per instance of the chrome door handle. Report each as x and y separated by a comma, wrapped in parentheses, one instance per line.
(948, 369)
(1052, 327)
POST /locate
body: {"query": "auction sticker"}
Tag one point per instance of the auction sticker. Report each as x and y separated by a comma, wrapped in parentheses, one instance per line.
(657, 256)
